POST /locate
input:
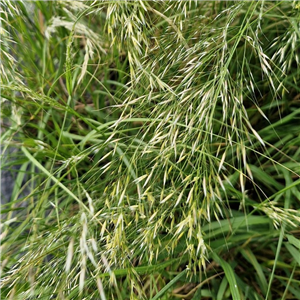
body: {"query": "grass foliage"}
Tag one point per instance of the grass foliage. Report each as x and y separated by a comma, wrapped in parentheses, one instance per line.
(155, 149)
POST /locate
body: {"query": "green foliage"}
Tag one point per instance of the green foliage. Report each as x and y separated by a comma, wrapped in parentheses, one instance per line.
(155, 146)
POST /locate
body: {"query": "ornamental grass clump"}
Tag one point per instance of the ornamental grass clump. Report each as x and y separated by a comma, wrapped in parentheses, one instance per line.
(156, 150)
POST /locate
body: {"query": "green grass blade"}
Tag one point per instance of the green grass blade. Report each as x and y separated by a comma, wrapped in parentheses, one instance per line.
(229, 273)
(169, 285)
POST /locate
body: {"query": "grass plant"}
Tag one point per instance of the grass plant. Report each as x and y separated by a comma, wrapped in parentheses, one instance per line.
(154, 147)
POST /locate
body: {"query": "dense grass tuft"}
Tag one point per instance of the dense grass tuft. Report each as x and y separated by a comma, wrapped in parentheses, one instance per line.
(152, 148)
